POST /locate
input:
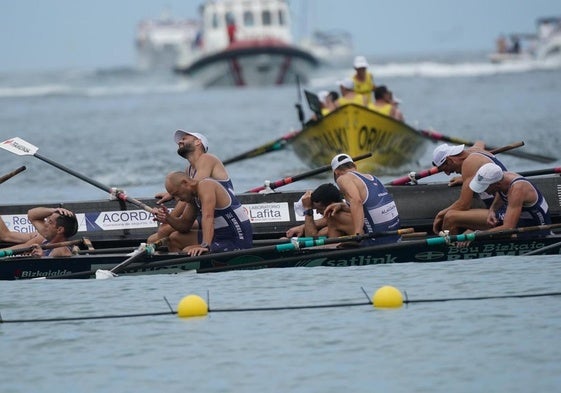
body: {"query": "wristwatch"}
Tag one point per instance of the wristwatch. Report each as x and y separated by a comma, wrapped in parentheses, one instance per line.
(309, 212)
(205, 245)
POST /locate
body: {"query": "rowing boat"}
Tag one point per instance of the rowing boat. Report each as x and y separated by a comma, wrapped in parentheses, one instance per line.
(113, 223)
(431, 249)
(356, 130)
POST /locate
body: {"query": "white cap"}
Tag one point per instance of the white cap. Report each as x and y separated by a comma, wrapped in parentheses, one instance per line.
(360, 62)
(322, 95)
(486, 175)
(442, 151)
(347, 83)
(180, 134)
(339, 160)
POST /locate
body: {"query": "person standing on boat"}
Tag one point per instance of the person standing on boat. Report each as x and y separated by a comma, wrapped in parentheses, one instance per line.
(337, 224)
(231, 27)
(383, 103)
(224, 223)
(363, 79)
(193, 147)
(372, 207)
(517, 202)
(53, 225)
(460, 215)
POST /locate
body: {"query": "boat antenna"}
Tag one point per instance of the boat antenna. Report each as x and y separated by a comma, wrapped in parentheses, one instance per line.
(299, 104)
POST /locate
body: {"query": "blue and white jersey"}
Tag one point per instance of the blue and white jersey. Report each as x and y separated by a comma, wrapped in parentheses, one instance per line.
(227, 184)
(532, 214)
(380, 211)
(232, 228)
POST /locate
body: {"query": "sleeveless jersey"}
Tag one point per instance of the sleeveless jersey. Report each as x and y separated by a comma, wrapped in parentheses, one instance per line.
(531, 214)
(47, 252)
(380, 211)
(227, 184)
(232, 228)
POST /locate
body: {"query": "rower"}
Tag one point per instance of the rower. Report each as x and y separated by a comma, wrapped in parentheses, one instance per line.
(371, 206)
(224, 223)
(337, 224)
(53, 225)
(192, 146)
(460, 215)
(517, 202)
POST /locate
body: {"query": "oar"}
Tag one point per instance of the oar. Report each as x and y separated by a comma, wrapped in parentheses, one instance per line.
(11, 174)
(432, 241)
(543, 249)
(48, 246)
(277, 144)
(435, 136)
(538, 172)
(23, 148)
(140, 252)
(292, 179)
(413, 176)
(280, 248)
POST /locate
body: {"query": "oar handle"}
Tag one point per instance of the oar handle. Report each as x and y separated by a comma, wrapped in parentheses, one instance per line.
(292, 179)
(11, 174)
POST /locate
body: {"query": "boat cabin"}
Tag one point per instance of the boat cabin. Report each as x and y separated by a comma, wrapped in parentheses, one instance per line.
(228, 21)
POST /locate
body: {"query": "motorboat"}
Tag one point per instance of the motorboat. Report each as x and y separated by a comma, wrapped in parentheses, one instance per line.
(245, 43)
(543, 45)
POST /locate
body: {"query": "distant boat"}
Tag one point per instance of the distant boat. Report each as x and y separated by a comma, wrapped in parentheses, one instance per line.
(543, 45)
(160, 41)
(245, 43)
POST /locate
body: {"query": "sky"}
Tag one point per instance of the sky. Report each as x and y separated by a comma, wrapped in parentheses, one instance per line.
(62, 34)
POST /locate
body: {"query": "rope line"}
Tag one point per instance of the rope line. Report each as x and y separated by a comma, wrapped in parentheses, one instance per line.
(279, 308)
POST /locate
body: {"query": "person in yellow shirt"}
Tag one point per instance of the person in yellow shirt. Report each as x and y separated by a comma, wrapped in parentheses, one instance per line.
(363, 80)
(348, 95)
(383, 103)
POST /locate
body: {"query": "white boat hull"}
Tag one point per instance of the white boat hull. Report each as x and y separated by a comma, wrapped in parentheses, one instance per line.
(251, 65)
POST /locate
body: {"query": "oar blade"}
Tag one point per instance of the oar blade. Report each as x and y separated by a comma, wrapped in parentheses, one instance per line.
(19, 146)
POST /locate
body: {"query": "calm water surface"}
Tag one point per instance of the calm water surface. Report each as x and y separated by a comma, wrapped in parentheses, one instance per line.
(506, 345)
(116, 126)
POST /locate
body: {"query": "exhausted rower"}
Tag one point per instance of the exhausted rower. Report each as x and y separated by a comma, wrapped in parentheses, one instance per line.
(223, 222)
(517, 203)
(53, 225)
(371, 206)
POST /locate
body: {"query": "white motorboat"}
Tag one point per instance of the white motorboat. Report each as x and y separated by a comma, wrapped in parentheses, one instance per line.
(245, 43)
(544, 45)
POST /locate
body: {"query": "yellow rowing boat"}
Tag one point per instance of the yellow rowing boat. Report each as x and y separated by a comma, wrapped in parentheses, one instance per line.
(356, 130)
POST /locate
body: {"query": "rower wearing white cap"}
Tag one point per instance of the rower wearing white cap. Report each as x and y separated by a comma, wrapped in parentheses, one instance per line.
(372, 207)
(192, 146)
(363, 79)
(460, 215)
(525, 204)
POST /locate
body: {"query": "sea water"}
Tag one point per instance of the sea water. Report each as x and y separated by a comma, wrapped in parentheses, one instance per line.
(116, 126)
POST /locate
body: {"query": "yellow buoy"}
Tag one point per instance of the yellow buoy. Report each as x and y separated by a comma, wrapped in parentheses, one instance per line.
(192, 306)
(387, 297)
